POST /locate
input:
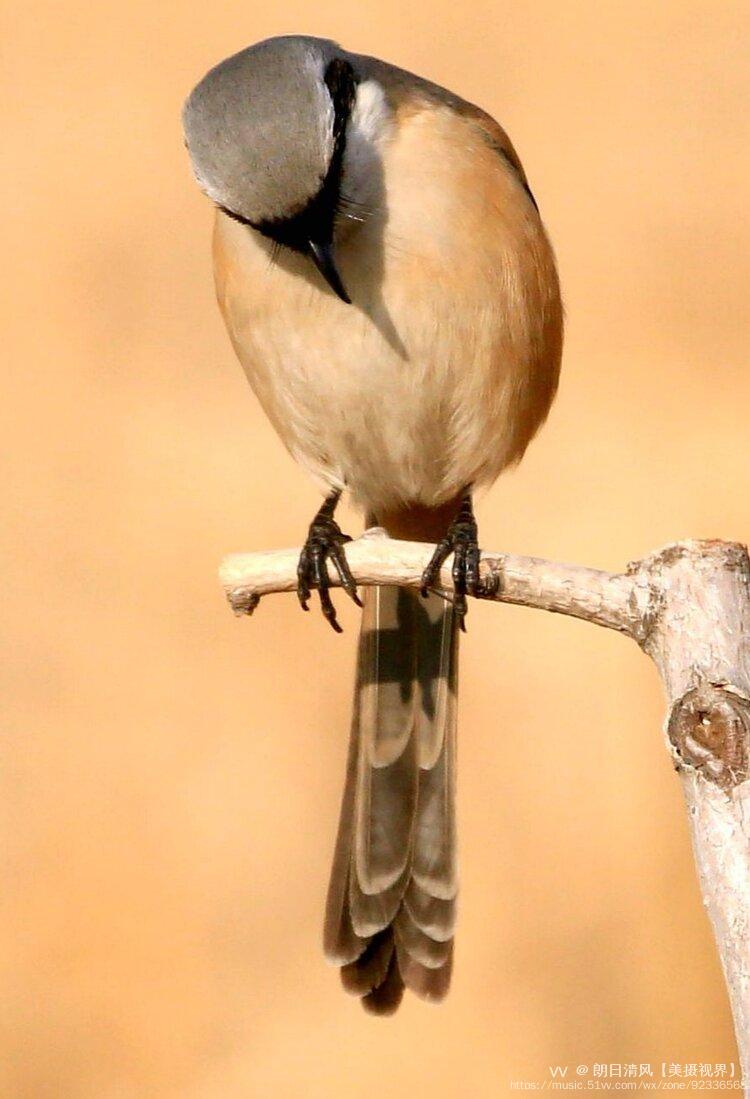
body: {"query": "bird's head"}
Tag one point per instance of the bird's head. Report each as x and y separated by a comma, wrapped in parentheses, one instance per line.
(267, 132)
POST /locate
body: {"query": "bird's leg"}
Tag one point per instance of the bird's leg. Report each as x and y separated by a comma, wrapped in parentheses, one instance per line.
(461, 541)
(325, 541)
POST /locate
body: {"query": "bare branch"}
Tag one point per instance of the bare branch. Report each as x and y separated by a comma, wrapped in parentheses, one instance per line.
(618, 601)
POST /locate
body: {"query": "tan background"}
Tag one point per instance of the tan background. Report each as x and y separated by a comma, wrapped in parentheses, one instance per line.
(171, 775)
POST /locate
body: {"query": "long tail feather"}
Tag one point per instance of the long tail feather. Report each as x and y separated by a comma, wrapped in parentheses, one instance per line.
(391, 904)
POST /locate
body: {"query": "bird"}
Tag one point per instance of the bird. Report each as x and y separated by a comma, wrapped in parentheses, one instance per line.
(392, 295)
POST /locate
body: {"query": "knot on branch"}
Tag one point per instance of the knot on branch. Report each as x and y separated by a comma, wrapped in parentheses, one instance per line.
(709, 728)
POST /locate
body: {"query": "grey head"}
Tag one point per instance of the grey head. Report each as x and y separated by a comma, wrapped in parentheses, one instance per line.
(266, 131)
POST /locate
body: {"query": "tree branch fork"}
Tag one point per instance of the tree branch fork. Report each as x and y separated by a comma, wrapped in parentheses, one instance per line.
(688, 607)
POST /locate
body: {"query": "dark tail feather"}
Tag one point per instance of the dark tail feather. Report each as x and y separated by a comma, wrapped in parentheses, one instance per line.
(391, 903)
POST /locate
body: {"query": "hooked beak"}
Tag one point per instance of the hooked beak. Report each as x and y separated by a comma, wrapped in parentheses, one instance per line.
(322, 254)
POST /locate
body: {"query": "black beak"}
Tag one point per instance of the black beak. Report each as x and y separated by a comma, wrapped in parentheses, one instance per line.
(322, 254)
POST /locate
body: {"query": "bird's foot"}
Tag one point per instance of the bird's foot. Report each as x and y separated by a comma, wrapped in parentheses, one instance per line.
(461, 540)
(325, 542)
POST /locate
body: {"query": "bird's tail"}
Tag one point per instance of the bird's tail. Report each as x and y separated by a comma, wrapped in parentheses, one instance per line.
(391, 903)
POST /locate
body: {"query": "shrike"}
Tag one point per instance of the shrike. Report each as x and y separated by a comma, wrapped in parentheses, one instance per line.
(392, 295)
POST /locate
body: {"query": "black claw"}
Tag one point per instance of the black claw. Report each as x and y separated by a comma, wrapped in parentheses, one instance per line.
(472, 568)
(461, 541)
(458, 572)
(342, 568)
(321, 583)
(325, 541)
(303, 571)
(431, 574)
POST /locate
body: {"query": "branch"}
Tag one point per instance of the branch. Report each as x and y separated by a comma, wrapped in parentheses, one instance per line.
(614, 600)
(688, 607)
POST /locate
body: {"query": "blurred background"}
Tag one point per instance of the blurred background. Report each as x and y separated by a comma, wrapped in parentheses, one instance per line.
(170, 774)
